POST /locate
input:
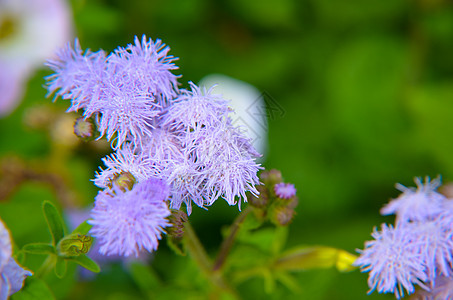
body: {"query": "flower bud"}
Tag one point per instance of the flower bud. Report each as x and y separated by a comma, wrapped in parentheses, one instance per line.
(74, 245)
(292, 203)
(125, 181)
(177, 220)
(85, 129)
(271, 177)
(263, 198)
(282, 215)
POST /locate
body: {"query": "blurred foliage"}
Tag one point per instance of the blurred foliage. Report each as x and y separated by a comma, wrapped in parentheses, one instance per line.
(367, 91)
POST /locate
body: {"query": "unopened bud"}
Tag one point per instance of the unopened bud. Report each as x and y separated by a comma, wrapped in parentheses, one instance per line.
(263, 198)
(177, 220)
(85, 129)
(271, 177)
(292, 203)
(282, 215)
(74, 245)
(125, 181)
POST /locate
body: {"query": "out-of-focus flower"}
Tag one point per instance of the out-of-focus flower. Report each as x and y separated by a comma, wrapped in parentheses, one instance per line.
(248, 104)
(12, 275)
(127, 221)
(420, 204)
(393, 261)
(30, 32)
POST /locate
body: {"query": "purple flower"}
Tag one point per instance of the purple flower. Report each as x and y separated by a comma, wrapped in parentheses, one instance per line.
(443, 290)
(393, 261)
(125, 159)
(149, 66)
(125, 222)
(12, 275)
(226, 160)
(285, 190)
(196, 108)
(187, 185)
(78, 76)
(125, 91)
(435, 241)
(420, 204)
(185, 138)
(125, 110)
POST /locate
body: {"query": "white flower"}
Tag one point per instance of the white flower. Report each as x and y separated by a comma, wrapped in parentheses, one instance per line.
(30, 32)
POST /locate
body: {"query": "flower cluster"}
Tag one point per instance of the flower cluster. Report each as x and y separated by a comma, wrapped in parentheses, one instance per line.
(184, 139)
(418, 250)
(12, 275)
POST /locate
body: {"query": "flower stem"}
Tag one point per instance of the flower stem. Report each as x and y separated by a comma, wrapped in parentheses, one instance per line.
(47, 266)
(228, 242)
(200, 256)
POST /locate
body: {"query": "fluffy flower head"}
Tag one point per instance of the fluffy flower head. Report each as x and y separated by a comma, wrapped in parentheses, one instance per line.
(127, 221)
(393, 261)
(420, 204)
(285, 190)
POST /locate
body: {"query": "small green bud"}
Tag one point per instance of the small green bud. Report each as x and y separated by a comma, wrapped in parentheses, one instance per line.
(85, 129)
(125, 181)
(263, 198)
(74, 245)
(271, 177)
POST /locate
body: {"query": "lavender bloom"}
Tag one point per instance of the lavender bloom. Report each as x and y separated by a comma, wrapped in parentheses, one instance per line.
(187, 185)
(228, 159)
(185, 138)
(435, 239)
(125, 222)
(196, 108)
(443, 290)
(75, 217)
(124, 110)
(420, 204)
(78, 76)
(125, 159)
(285, 190)
(12, 275)
(149, 66)
(393, 261)
(125, 91)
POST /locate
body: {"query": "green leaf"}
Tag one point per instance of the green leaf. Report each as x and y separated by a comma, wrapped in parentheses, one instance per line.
(85, 262)
(54, 222)
(39, 248)
(304, 258)
(60, 267)
(83, 228)
(34, 289)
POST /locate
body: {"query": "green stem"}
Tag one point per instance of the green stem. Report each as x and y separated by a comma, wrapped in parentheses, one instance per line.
(228, 242)
(200, 256)
(47, 266)
(196, 249)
